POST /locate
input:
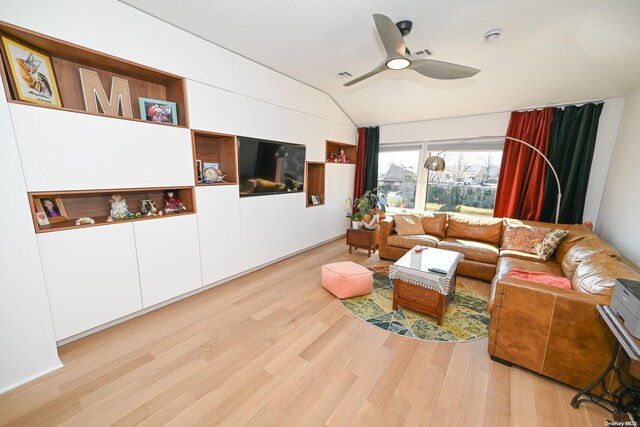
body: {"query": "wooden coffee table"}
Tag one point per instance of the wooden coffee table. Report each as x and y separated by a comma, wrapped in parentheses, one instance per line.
(417, 287)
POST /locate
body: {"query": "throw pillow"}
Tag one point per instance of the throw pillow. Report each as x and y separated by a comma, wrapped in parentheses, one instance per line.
(541, 277)
(523, 238)
(547, 247)
(408, 224)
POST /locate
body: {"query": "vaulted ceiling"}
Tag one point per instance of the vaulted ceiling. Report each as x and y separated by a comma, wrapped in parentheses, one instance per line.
(550, 51)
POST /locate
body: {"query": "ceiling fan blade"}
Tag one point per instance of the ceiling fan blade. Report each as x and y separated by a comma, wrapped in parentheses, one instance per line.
(390, 36)
(442, 70)
(380, 68)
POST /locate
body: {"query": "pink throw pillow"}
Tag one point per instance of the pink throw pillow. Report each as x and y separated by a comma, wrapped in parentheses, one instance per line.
(539, 277)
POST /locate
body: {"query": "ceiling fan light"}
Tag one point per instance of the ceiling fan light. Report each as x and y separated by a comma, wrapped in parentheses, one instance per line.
(398, 63)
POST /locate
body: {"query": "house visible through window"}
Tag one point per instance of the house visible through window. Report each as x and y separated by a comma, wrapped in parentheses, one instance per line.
(467, 185)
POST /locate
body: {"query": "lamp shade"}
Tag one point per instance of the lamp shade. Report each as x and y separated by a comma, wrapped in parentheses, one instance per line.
(434, 163)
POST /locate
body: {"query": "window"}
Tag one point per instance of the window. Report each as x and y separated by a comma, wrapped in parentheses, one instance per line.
(398, 175)
(467, 185)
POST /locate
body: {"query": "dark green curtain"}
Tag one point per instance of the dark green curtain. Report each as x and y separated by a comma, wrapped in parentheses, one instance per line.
(571, 146)
(372, 148)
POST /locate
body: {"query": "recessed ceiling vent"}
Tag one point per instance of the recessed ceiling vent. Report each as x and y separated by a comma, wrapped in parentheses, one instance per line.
(344, 74)
(427, 51)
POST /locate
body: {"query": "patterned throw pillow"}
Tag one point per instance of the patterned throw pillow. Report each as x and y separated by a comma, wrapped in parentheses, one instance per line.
(408, 225)
(550, 242)
(523, 238)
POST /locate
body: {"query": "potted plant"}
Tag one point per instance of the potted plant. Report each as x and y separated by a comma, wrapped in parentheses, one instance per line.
(371, 208)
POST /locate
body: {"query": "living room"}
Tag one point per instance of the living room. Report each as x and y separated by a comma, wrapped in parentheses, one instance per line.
(214, 313)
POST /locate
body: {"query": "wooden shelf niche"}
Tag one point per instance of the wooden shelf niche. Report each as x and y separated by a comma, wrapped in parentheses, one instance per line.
(217, 148)
(68, 58)
(315, 184)
(333, 150)
(96, 205)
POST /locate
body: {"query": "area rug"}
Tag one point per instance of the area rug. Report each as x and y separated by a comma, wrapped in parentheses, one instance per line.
(465, 319)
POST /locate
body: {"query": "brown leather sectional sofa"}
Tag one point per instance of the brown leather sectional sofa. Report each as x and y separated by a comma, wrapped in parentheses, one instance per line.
(552, 331)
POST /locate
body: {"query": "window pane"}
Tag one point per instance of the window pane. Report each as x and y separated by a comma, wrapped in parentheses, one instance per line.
(467, 184)
(397, 177)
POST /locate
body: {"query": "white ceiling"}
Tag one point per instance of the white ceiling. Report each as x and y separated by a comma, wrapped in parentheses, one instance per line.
(550, 51)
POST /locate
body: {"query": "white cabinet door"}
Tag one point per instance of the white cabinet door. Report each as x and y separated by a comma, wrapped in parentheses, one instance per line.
(91, 276)
(263, 120)
(86, 152)
(291, 227)
(211, 108)
(168, 257)
(316, 141)
(338, 179)
(259, 219)
(315, 227)
(220, 235)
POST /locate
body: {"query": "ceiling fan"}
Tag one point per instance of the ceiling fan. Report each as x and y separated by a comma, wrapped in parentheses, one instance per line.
(399, 57)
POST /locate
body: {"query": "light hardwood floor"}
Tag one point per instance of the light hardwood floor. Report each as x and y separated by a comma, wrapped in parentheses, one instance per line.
(274, 348)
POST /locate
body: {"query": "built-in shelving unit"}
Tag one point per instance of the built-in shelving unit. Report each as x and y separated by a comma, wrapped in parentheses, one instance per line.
(314, 185)
(71, 205)
(332, 152)
(68, 58)
(217, 149)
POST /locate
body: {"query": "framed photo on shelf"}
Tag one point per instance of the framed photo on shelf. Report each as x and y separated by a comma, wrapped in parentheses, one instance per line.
(159, 111)
(30, 73)
(52, 208)
(199, 169)
(42, 218)
(315, 199)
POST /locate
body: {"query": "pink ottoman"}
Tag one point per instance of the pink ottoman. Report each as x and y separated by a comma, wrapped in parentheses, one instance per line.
(347, 279)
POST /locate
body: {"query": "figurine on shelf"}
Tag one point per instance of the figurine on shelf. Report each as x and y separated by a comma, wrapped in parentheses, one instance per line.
(342, 158)
(172, 203)
(119, 208)
(148, 207)
(84, 220)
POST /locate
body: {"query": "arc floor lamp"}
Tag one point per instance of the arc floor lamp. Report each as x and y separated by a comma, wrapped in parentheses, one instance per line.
(436, 163)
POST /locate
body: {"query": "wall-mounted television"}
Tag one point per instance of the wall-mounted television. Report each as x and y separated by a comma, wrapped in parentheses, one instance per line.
(269, 167)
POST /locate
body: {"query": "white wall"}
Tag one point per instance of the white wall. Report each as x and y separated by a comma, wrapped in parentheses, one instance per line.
(618, 217)
(226, 94)
(27, 343)
(497, 123)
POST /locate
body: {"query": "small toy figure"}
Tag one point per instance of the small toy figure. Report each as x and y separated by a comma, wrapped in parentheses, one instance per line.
(148, 207)
(342, 158)
(119, 208)
(84, 220)
(172, 203)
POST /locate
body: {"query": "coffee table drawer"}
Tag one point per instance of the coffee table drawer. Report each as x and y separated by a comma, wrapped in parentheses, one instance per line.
(417, 294)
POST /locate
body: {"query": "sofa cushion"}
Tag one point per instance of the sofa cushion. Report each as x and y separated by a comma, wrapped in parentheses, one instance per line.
(547, 247)
(598, 273)
(520, 255)
(505, 264)
(408, 224)
(577, 233)
(412, 240)
(583, 249)
(523, 237)
(472, 250)
(480, 229)
(434, 223)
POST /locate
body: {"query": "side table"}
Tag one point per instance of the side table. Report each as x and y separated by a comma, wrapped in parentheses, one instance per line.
(625, 398)
(363, 238)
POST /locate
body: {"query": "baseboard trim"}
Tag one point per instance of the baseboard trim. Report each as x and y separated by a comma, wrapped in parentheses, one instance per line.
(31, 378)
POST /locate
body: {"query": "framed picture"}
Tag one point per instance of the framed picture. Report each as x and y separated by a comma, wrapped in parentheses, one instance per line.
(159, 111)
(42, 218)
(315, 199)
(52, 208)
(199, 169)
(31, 74)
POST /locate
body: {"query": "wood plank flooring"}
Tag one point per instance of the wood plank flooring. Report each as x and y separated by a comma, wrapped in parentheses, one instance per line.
(274, 348)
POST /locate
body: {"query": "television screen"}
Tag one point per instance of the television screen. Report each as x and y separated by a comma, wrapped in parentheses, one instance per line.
(269, 167)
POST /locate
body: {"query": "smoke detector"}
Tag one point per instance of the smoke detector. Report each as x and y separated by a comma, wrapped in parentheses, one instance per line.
(492, 35)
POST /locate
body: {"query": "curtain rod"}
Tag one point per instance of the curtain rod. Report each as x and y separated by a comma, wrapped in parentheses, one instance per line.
(563, 104)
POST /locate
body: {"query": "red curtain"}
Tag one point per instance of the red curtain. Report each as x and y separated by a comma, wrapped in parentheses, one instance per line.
(523, 171)
(358, 186)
